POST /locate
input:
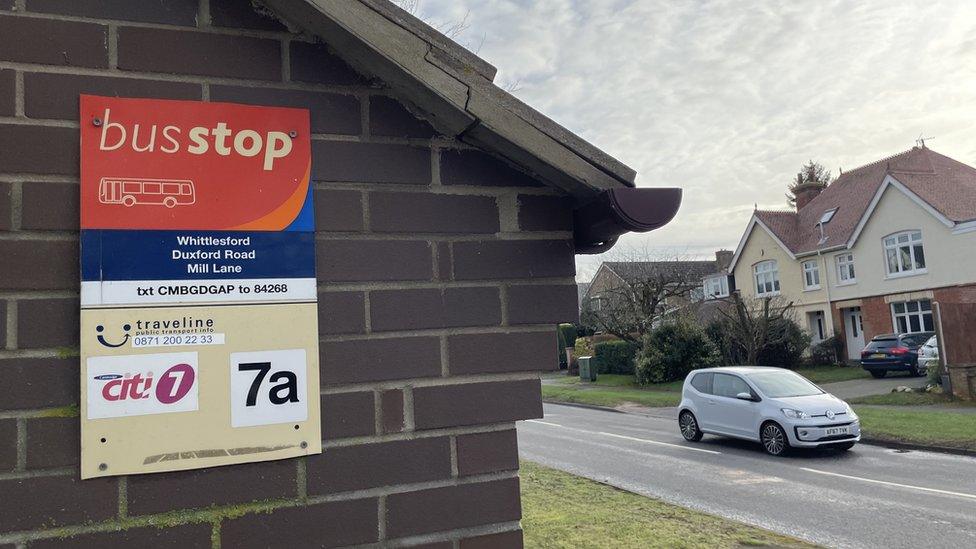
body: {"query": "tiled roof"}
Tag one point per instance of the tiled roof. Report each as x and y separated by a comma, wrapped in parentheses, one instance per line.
(945, 184)
(637, 270)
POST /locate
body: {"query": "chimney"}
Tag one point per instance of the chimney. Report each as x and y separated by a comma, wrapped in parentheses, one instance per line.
(806, 192)
(723, 258)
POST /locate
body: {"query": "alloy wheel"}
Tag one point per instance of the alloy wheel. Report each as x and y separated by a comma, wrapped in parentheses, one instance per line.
(773, 439)
(689, 427)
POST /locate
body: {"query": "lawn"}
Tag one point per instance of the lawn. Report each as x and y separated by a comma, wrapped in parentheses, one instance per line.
(562, 510)
(955, 430)
(911, 399)
(833, 374)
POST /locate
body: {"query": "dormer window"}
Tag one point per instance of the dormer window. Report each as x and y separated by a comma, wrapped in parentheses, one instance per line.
(716, 286)
(827, 216)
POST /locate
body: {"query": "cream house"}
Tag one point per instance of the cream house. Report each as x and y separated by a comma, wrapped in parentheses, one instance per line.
(872, 251)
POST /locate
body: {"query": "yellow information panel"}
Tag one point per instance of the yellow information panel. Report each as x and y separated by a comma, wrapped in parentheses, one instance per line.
(198, 386)
(199, 323)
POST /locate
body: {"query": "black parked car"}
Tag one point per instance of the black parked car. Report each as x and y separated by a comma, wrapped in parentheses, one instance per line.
(893, 352)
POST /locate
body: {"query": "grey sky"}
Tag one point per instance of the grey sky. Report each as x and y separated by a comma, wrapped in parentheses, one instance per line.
(728, 99)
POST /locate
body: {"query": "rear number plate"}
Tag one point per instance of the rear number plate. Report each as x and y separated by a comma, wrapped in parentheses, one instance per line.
(878, 355)
(836, 431)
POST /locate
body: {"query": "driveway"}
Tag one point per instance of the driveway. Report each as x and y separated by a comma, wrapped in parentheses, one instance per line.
(870, 386)
(868, 497)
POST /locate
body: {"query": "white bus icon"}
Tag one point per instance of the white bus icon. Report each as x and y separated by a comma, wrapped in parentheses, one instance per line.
(159, 192)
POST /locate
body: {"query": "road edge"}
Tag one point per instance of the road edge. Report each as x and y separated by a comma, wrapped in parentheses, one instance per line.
(873, 441)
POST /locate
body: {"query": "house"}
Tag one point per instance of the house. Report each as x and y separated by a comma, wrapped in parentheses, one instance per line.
(871, 252)
(447, 217)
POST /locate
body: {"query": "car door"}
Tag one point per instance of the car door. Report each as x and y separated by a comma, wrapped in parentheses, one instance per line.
(731, 415)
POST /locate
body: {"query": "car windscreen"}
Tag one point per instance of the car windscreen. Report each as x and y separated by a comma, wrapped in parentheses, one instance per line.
(781, 384)
(877, 344)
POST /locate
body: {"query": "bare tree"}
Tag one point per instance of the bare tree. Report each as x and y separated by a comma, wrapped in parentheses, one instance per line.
(757, 324)
(630, 294)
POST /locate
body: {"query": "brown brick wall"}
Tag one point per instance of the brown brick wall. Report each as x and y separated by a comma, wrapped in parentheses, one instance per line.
(441, 273)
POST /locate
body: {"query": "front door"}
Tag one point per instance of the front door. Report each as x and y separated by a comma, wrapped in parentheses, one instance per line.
(854, 329)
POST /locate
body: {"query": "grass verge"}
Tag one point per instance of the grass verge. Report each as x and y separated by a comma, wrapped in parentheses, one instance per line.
(912, 399)
(563, 510)
(609, 397)
(935, 428)
(833, 374)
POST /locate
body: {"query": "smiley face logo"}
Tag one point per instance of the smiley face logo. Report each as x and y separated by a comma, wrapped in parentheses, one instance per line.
(101, 338)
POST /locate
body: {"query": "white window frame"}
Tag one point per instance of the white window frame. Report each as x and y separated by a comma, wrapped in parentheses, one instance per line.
(765, 274)
(846, 272)
(716, 286)
(923, 308)
(811, 275)
(893, 246)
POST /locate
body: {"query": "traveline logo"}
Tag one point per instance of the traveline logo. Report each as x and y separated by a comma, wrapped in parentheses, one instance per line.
(197, 140)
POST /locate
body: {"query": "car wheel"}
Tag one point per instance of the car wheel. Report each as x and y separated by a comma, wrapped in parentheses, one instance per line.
(878, 374)
(774, 440)
(689, 427)
(844, 447)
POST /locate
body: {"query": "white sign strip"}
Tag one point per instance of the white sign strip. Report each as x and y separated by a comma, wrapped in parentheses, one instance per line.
(150, 292)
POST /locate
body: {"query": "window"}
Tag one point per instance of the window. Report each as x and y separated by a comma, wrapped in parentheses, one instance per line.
(702, 383)
(171, 188)
(904, 254)
(725, 385)
(811, 275)
(184, 189)
(596, 303)
(845, 269)
(134, 188)
(767, 278)
(780, 384)
(827, 215)
(716, 286)
(150, 188)
(913, 316)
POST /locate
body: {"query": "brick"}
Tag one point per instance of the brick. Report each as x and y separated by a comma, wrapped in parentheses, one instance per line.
(463, 506)
(27, 383)
(434, 308)
(494, 353)
(348, 415)
(332, 524)
(39, 149)
(476, 403)
(364, 466)
(371, 260)
(380, 359)
(3, 324)
(431, 545)
(508, 540)
(161, 492)
(329, 112)
(545, 213)
(388, 117)
(30, 503)
(316, 63)
(8, 444)
(342, 313)
(7, 90)
(432, 213)
(170, 12)
(38, 264)
(444, 263)
(50, 207)
(188, 52)
(356, 162)
(6, 204)
(237, 14)
(53, 42)
(53, 442)
(47, 323)
(474, 167)
(189, 536)
(482, 453)
(392, 407)
(543, 304)
(6, 4)
(493, 259)
(338, 211)
(56, 95)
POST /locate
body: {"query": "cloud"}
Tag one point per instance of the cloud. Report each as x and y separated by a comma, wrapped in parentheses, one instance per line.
(727, 99)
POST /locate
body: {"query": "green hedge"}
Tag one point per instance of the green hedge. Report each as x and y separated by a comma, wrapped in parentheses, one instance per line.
(569, 334)
(615, 357)
(672, 350)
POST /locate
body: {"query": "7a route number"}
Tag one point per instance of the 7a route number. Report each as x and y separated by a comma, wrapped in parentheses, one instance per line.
(268, 387)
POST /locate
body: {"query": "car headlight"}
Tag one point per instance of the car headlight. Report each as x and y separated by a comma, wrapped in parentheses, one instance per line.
(851, 414)
(795, 414)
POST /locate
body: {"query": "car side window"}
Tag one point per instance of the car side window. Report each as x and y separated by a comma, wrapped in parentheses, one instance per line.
(726, 385)
(702, 383)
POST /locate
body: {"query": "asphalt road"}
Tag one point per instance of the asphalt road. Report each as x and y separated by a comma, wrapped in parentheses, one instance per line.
(867, 497)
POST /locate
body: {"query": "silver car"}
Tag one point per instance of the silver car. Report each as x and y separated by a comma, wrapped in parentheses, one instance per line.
(778, 408)
(928, 355)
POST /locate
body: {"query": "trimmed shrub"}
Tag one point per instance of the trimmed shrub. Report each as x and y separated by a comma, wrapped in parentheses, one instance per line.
(672, 350)
(568, 332)
(730, 352)
(615, 357)
(828, 352)
(788, 353)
